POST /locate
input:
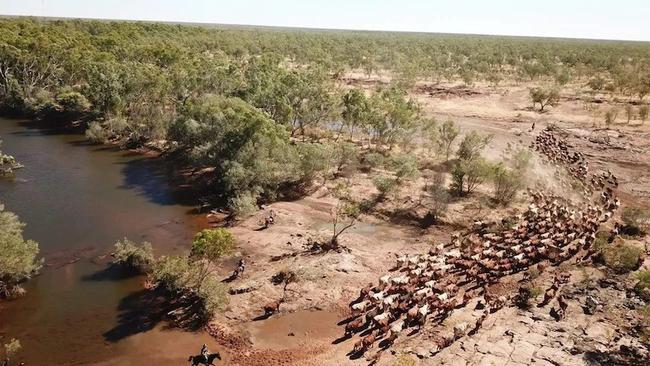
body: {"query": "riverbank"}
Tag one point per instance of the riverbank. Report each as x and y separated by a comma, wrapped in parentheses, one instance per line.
(77, 200)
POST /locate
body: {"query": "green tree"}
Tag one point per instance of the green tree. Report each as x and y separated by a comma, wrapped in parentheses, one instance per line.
(355, 110)
(467, 175)
(17, 256)
(447, 134)
(345, 157)
(344, 217)
(212, 244)
(385, 186)
(405, 166)
(472, 145)
(506, 184)
(393, 117)
(199, 294)
(544, 97)
(252, 154)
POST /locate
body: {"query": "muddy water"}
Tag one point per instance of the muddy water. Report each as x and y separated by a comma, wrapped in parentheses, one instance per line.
(77, 200)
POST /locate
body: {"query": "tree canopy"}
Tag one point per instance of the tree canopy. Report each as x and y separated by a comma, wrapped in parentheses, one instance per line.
(17, 255)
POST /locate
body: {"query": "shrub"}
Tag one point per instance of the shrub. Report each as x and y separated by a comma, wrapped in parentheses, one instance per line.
(519, 159)
(563, 76)
(506, 184)
(133, 256)
(602, 240)
(610, 116)
(405, 166)
(405, 360)
(622, 258)
(447, 134)
(10, 349)
(243, 205)
(544, 97)
(643, 113)
(97, 134)
(8, 163)
(73, 103)
(440, 197)
(472, 145)
(345, 157)
(458, 175)
(213, 297)
(643, 286)
(385, 185)
(314, 159)
(522, 299)
(597, 83)
(645, 330)
(637, 220)
(372, 160)
(172, 273)
(468, 175)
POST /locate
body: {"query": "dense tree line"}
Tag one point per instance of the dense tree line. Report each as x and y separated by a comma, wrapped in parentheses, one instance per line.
(255, 103)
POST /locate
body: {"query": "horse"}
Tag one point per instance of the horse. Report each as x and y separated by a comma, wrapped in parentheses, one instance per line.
(200, 360)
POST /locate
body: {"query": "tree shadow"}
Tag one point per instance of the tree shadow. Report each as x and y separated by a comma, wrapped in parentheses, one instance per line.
(48, 127)
(159, 180)
(111, 273)
(139, 312)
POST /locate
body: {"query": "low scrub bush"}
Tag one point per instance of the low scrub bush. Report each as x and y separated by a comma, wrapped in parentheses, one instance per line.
(507, 183)
(243, 205)
(133, 256)
(637, 221)
(642, 288)
(385, 186)
(622, 258)
(372, 160)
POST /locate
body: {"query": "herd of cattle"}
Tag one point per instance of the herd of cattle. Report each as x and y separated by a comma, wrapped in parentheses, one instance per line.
(429, 287)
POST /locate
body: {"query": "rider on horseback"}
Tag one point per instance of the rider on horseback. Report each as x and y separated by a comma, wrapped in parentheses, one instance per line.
(205, 352)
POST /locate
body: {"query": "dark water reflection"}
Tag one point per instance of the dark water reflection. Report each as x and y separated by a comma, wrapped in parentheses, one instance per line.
(77, 200)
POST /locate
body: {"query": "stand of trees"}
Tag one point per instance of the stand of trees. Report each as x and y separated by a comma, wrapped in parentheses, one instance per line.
(17, 255)
(256, 105)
